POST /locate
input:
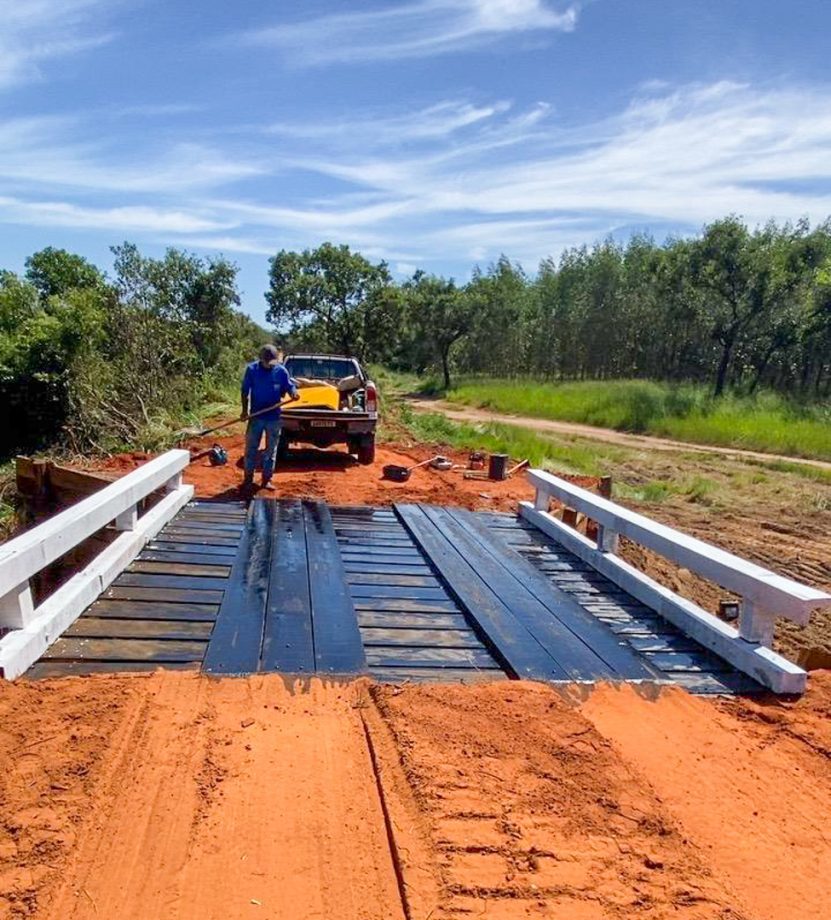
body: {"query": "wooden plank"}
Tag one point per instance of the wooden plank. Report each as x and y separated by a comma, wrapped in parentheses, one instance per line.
(231, 529)
(337, 639)
(192, 549)
(49, 669)
(187, 582)
(666, 643)
(171, 595)
(688, 661)
(547, 616)
(380, 560)
(392, 620)
(288, 645)
(398, 592)
(191, 534)
(577, 631)
(110, 628)
(148, 610)
(391, 579)
(513, 643)
(420, 638)
(434, 675)
(166, 567)
(431, 658)
(405, 605)
(194, 559)
(237, 637)
(384, 568)
(166, 539)
(370, 550)
(157, 650)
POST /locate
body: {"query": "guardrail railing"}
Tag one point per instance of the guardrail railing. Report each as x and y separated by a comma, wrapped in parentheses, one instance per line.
(764, 594)
(32, 629)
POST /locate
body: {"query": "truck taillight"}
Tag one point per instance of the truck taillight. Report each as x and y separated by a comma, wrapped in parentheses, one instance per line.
(371, 398)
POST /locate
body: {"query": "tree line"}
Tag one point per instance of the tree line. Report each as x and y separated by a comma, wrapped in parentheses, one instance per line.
(93, 362)
(734, 307)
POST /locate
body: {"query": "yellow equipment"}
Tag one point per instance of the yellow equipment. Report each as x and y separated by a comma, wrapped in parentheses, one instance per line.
(320, 396)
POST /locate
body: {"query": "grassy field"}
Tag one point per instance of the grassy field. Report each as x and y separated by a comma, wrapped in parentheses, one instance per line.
(686, 413)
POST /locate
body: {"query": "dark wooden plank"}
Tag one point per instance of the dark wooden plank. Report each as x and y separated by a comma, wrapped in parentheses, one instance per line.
(434, 675)
(172, 595)
(384, 568)
(431, 658)
(393, 542)
(515, 646)
(165, 567)
(49, 669)
(366, 550)
(584, 647)
(149, 610)
(195, 559)
(237, 637)
(187, 582)
(698, 660)
(391, 579)
(191, 549)
(337, 639)
(382, 559)
(405, 605)
(110, 628)
(391, 620)
(214, 537)
(182, 523)
(288, 645)
(158, 650)
(420, 638)
(665, 643)
(399, 592)
(188, 539)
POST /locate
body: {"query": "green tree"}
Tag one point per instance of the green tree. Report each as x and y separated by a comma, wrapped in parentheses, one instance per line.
(54, 272)
(440, 314)
(328, 288)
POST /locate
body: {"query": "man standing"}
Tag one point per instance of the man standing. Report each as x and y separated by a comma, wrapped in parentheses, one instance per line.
(264, 384)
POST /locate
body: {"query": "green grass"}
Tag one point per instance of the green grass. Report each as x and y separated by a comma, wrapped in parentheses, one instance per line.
(766, 422)
(518, 443)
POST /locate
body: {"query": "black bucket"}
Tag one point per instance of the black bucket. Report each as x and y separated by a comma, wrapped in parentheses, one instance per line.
(497, 466)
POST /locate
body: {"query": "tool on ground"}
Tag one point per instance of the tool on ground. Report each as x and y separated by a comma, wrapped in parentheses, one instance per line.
(441, 463)
(475, 474)
(396, 473)
(519, 466)
(217, 455)
(195, 433)
(477, 460)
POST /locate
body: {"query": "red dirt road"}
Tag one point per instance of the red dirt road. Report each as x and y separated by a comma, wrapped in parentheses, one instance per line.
(178, 796)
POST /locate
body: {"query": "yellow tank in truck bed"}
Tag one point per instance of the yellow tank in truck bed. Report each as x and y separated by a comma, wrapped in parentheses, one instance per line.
(315, 396)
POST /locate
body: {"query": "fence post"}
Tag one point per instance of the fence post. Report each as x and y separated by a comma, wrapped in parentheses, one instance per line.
(127, 520)
(174, 483)
(756, 625)
(607, 539)
(541, 500)
(17, 608)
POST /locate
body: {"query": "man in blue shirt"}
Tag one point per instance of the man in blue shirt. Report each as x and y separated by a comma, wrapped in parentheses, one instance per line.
(264, 384)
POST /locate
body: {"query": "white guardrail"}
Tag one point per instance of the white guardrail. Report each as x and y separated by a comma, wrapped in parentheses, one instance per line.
(764, 594)
(34, 629)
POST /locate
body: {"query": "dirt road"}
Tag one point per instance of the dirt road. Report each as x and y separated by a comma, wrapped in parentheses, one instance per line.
(178, 796)
(607, 435)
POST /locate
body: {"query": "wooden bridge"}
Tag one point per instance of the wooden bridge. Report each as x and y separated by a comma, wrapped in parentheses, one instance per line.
(411, 592)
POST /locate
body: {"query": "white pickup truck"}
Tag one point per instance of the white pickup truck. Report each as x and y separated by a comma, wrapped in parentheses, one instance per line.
(354, 421)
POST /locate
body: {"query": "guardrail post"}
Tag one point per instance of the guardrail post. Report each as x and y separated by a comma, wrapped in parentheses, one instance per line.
(127, 520)
(173, 483)
(607, 539)
(756, 625)
(541, 500)
(17, 608)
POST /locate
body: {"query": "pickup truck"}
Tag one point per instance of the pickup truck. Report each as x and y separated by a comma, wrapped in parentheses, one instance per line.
(353, 422)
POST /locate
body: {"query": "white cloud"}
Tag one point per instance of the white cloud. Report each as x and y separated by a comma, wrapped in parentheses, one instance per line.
(33, 32)
(134, 218)
(416, 29)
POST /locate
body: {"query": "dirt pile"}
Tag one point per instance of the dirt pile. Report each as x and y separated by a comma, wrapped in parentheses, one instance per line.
(177, 796)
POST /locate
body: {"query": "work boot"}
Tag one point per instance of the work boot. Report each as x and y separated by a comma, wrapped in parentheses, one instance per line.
(247, 483)
(268, 485)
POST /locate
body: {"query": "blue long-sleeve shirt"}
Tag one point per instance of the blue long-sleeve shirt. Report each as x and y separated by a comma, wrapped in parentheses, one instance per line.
(264, 386)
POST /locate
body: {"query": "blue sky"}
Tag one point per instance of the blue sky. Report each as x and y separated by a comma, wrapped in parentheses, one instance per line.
(434, 134)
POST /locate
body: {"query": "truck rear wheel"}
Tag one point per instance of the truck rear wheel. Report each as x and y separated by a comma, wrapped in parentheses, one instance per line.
(366, 450)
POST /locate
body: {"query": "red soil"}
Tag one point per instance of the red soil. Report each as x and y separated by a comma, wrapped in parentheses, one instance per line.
(178, 796)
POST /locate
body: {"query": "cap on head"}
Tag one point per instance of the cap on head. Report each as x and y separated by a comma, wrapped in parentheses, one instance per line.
(269, 355)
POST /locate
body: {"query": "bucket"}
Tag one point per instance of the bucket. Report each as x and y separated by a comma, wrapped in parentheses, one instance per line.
(497, 466)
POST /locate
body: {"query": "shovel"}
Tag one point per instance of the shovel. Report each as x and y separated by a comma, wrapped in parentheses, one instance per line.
(195, 433)
(402, 473)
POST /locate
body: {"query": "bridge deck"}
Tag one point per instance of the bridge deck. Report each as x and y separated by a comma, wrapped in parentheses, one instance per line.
(410, 593)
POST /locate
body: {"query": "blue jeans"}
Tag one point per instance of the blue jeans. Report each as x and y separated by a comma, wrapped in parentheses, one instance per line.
(253, 435)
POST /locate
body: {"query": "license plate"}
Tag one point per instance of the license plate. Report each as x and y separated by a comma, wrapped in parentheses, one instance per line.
(322, 424)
